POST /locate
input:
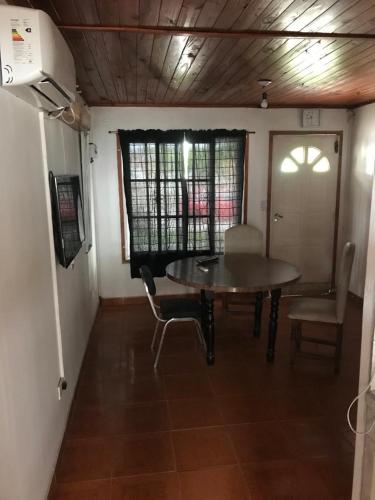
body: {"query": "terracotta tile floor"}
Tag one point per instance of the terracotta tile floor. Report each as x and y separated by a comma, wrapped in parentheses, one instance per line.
(242, 429)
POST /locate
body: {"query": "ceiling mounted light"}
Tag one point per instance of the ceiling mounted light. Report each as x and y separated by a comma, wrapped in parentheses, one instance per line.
(264, 82)
(264, 101)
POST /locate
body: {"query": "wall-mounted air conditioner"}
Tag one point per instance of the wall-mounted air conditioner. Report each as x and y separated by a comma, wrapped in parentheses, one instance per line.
(36, 63)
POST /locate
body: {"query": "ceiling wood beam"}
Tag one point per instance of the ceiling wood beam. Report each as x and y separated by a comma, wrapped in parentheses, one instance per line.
(215, 33)
(213, 105)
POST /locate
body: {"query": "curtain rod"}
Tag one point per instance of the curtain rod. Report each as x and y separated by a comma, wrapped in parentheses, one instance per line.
(116, 131)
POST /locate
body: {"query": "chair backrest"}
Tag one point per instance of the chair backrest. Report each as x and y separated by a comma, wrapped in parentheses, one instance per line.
(149, 283)
(148, 280)
(343, 280)
(243, 239)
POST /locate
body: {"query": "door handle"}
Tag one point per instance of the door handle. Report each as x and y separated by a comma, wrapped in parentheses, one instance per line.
(277, 216)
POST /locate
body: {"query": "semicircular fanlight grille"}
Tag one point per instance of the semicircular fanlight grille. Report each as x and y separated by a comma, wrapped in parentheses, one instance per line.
(288, 166)
(322, 165)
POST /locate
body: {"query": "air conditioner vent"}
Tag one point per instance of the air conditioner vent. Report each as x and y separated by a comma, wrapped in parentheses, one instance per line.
(53, 92)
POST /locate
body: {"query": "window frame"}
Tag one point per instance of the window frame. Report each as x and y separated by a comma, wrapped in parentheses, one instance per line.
(124, 228)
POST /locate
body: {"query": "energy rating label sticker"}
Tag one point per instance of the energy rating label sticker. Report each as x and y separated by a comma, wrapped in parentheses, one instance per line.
(21, 31)
(16, 37)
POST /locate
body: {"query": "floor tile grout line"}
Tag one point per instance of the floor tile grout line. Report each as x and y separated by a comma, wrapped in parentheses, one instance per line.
(113, 477)
(172, 443)
(201, 427)
(239, 463)
(215, 396)
(175, 455)
(294, 459)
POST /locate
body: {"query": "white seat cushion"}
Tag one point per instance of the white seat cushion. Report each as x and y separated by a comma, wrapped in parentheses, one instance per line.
(309, 309)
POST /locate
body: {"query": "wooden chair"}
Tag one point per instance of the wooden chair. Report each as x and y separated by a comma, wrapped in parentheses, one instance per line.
(323, 311)
(242, 239)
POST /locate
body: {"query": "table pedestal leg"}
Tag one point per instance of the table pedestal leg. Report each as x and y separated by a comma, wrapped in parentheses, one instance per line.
(207, 301)
(204, 314)
(258, 314)
(272, 328)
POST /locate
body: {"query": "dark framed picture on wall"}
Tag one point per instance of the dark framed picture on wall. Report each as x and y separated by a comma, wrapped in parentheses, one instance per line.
(67, 215)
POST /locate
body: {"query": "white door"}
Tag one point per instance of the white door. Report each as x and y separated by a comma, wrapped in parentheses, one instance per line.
(303, 203)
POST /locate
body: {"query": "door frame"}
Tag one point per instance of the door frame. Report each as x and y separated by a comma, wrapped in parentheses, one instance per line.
(340, 135)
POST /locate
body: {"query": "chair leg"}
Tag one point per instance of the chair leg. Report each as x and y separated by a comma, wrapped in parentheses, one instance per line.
(160, 346)
(155, 334)
(339, 336)
(200, 333)
(295, 338)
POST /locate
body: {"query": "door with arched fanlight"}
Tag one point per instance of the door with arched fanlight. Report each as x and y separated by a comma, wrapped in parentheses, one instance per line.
(302, 203)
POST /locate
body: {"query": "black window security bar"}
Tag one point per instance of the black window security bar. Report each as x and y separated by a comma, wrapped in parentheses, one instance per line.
(183, 189)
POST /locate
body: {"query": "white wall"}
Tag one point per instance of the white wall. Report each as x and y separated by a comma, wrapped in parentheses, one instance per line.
(361, 168)
(32, 420)
(114, 277)
(361, 229)
(364, 471)
(77, 285)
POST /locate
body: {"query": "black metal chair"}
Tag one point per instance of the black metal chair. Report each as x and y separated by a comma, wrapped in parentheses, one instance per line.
(170, 311)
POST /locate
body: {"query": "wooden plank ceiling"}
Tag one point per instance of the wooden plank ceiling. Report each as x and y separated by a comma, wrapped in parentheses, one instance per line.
(142, 68)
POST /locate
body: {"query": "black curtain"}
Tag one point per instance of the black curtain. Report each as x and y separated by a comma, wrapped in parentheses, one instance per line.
(183, 188)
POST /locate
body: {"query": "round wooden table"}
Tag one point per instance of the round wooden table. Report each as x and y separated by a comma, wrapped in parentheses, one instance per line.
(236, 273)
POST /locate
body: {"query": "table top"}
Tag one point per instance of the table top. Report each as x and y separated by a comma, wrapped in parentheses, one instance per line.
(234, 273)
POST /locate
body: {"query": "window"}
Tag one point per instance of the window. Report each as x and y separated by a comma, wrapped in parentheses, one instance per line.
(305, 155)
(183, 189)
